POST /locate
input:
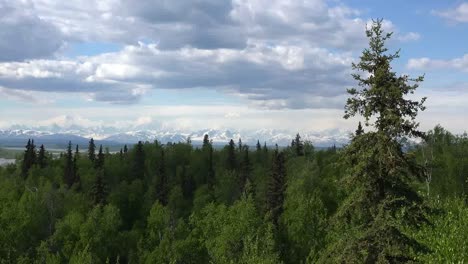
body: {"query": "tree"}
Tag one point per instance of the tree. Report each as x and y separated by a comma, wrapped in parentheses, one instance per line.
(162, 184)
(100, 159)
(245, 170)
(231, 163)
(42, 159)
(68, 173)
(381, 201)
(76, 176)
(298, 146)
(138, 168)
(206, 141)
(91, 150)
(276, 187)
(258, 146)
(359, 130)
(98, 190)
(29, 158)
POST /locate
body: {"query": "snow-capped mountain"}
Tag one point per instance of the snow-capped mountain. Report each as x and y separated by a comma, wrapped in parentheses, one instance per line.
(113, 136)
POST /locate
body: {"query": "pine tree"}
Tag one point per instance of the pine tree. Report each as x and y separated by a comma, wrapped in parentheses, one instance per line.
(239, 145)
(42, 159)
(359, 130)
(138, 166)
(98, 191)
(245, 170)
(162, 184)
(92, 151)
(206, 141)
(381, 200)
(298, 146)
(125, 150)
(231, 162)
(68, 173)
(99, 164)
(188, 184)
(258, 146)
(29, 158)
(211, 173)
(276, 187)
(76, 176)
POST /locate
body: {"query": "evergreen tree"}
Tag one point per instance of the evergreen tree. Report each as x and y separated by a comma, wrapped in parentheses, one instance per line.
(239, 145)
(92, 151)
(68, 172)
(29, 158)
(98, 191)
(42, 159)
(206, 141)
(76, 176)
(298, 146)
(276, 187)
(359, 130)
(258, 146)
(162, 184)
(231, 163)
(381, 200)
(211, 172)
(125, 150)
(245, 170)
(188, 184)
(100, 159)
(138, 166)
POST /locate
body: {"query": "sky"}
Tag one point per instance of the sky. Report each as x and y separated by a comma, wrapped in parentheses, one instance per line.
(243, 64)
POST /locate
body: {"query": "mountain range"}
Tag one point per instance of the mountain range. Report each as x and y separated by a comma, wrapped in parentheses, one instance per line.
(58, 136)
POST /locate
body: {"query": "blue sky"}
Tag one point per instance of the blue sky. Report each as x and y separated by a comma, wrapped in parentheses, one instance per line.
(244, 64)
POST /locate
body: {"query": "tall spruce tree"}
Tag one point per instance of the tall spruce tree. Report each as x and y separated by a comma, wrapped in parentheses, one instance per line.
(68, 172)
(76, 176)
(92, 151)
(258, 146)
(298, 146)
(99, 164)
(359, 130)
(138, 165)
(276, 187)
(29, 158)
(381, 201)
(162, 183)
(98, 190)
(41, 158)
(206, 141)
(245, 170)
(231, 163)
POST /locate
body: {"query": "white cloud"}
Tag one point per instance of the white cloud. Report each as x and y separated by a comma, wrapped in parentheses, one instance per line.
(458, 14)
(460, 64)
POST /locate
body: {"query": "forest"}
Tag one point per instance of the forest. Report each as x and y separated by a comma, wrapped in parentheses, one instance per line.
(393, 194)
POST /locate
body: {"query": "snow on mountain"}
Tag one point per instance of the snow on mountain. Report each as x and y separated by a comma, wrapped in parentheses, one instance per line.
(112, 135)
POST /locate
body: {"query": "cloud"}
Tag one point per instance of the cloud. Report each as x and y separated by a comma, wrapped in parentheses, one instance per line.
(274, 53)
(271, 76)
(458, 14)
(24, 35)
(460, 64)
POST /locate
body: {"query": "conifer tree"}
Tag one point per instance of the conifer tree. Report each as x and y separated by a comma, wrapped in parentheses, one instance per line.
(98, 191)
(206, 141)
(211, 172)
(76, 176)
(92, 151)
(100, 159)
(245, 170)
(258, 146)
(359, 130)
(29, 158)
(231, 163)
(188, 184)
(298, 146)
(138, 166)
(41, 158)
(125, 150)
(381, 200)
(68, 175)
(276, 187)
(162, 184)
(239, 145)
